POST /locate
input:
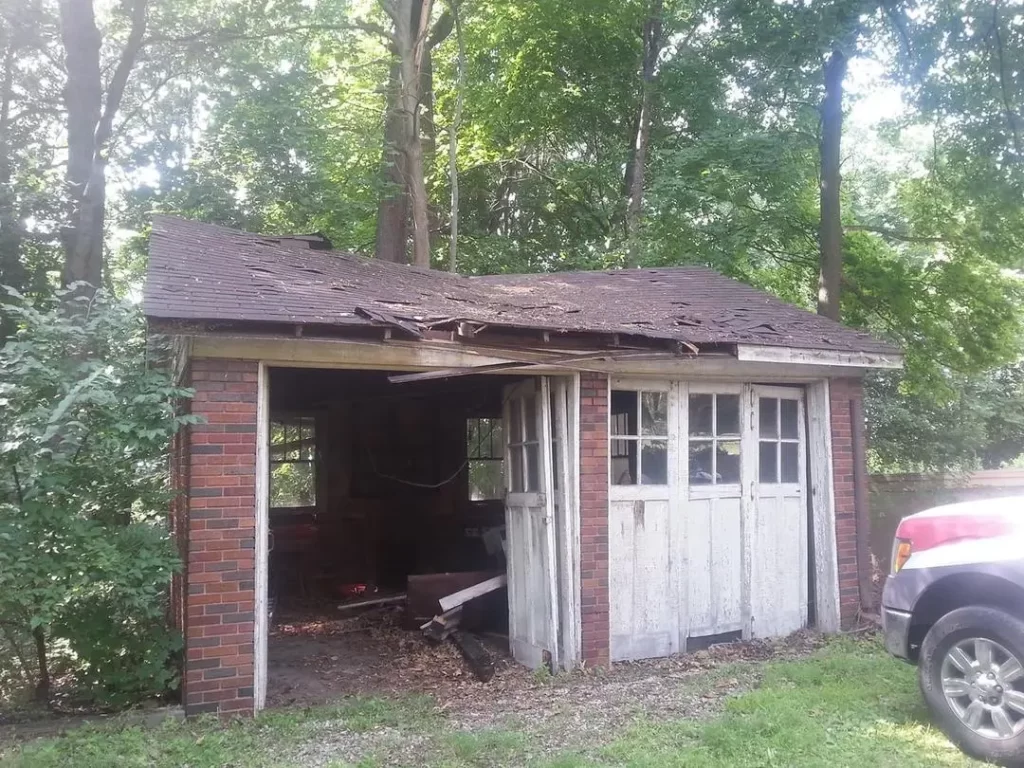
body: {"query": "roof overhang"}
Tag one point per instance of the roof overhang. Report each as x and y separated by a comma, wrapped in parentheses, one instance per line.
(458, 358)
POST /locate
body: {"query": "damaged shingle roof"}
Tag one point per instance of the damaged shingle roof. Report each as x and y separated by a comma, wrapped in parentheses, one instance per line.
(202, 272)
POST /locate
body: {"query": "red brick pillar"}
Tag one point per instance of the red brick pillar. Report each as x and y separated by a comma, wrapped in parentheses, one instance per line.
(594, 519)
(220, 571)
(841, 391)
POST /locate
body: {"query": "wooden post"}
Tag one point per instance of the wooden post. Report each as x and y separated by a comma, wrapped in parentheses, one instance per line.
(860, 504)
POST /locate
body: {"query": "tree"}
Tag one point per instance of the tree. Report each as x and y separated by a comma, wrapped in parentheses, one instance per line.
(831, 230)
(86, 557)
(637, 165)
(91, 109)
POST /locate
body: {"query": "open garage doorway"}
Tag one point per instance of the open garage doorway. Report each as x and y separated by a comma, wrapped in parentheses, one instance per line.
(383, 498)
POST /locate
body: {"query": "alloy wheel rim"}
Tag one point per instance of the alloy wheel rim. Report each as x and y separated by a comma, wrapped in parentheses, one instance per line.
(983, 684)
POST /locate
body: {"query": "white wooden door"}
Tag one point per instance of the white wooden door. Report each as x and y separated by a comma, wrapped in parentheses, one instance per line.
(716, 422)
(529, 525)
(644, 530)
(778, 514)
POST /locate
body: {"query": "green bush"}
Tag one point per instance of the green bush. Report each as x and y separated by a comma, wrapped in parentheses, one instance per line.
(85, 553)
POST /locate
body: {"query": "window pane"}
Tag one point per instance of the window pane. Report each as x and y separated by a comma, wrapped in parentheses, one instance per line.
(701, 457)
(486, 480)
(530, 417)
(790, 427)
(533, 467)
(623, 462)
(790, 463)
(701, 413)
(515, 455)
(655, 413)
(728, 415)
(769, 408)
(292, 485)
(728, 461)
(516, 411)
(767, 462)
(623, 417)
(654, 462)
(556, 467)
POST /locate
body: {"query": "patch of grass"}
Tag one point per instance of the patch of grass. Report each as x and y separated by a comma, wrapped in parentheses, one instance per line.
(847, 705)
(463, 749)
(205, 742)
(360, 714)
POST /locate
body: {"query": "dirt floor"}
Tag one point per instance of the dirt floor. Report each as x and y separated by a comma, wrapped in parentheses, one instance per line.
(319, 661)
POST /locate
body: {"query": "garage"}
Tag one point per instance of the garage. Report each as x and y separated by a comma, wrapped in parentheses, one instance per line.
(655, 461)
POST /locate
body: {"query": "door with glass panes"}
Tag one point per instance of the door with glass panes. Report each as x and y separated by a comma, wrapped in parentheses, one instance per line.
(713, 510)
(643, 528)
(778, 515)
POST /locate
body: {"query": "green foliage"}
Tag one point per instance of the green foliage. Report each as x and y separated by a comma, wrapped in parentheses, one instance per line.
(86, 556)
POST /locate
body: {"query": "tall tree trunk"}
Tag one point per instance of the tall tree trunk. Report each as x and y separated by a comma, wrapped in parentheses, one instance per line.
(83, 98)
(453, 144)
(12, 271)
(393, 208)
(43, 681)
(831, 230)
(638, 167)
(410, 39)
(90, 118)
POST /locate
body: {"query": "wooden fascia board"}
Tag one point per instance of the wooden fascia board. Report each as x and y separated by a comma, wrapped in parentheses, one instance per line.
(406, 355)
(818, 357)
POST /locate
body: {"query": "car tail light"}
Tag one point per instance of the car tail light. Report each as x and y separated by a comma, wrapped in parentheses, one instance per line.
(901, 549)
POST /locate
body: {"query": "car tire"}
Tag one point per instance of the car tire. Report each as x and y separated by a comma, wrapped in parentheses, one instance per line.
(968, 715)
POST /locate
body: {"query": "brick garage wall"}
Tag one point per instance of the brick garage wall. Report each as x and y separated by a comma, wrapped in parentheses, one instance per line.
(841, 392)
(595, 635)
(221, 522)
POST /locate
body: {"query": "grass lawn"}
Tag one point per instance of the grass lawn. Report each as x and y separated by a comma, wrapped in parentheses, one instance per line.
(848, 704)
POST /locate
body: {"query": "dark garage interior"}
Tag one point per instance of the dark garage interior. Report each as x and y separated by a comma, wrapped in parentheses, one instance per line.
(384, 497)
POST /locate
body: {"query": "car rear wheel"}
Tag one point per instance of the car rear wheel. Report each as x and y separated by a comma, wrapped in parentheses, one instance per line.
(971, 671)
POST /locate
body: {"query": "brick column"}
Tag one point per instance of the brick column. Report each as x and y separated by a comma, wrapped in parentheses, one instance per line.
(594, 519)
(220, 571)
(841, 391)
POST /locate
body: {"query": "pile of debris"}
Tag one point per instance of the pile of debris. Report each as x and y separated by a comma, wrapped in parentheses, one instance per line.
(447, 625)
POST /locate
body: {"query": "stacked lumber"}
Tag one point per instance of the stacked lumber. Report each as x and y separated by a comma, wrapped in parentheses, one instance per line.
(445, 626)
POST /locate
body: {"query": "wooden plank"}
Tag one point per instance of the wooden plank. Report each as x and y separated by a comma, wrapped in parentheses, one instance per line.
(408, 355)
(392, 600)
(822, 498)
(550, 550)
(262, 552)
(797, 356)
(470, 593)
(568, 543)
(748, 503)
(441, 626)
(451, 373)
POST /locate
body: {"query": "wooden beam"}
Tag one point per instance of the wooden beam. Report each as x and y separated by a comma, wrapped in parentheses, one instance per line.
(796, 356)
(456, 599)
(824, 564)
(451, 373)
(261, 623)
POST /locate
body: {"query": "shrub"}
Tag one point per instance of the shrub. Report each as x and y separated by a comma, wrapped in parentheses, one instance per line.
(85, 554)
